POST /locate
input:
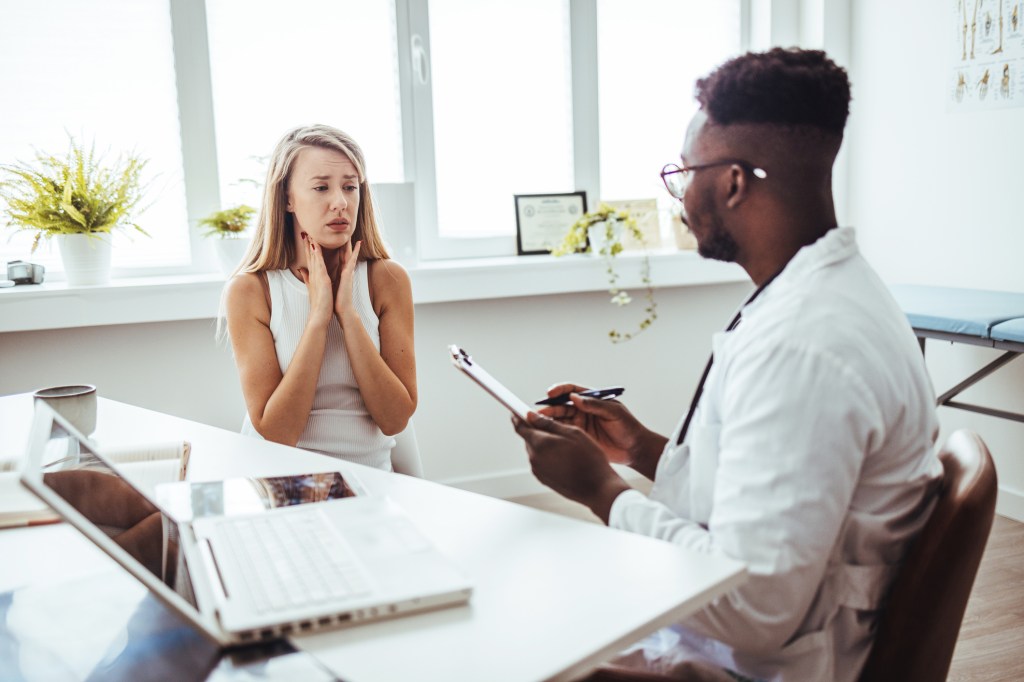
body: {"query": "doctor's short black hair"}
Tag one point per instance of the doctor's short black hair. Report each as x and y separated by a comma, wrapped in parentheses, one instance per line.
(789, 87)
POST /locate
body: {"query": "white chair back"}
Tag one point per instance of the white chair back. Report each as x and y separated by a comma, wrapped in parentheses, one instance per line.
(405, 456)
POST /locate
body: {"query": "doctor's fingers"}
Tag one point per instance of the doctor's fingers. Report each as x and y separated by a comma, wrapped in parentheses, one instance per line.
(563, 388)
(548, 447)
(603, 409)
(541, 422)
(542, 434)
(559, 412)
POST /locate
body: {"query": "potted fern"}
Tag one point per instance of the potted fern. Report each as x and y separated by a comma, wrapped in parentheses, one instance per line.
(600, 233)
(78, 201)
(228, 227)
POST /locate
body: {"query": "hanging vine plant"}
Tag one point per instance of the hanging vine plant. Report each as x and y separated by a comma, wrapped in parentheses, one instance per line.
(600, 233)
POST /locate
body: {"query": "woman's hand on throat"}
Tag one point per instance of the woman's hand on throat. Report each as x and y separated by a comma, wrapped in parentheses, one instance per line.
(343, 296)
(317, 280)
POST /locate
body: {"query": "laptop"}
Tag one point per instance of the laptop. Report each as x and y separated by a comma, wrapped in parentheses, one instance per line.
(248, 574)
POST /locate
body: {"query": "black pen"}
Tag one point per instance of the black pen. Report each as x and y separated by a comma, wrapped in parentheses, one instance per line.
(599, 393)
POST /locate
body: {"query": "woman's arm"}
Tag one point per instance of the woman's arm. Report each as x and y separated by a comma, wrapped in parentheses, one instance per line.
(387, 379)
(278, 404)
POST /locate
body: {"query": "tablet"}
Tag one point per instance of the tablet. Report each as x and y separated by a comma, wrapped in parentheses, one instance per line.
(189, 500)
(462, 360)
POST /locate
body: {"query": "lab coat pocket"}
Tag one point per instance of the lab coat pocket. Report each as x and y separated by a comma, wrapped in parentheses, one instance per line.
(703, 468)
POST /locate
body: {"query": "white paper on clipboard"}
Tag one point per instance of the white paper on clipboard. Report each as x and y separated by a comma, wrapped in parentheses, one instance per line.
(463, 361)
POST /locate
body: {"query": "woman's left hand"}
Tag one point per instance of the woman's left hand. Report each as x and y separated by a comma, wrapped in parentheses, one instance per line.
(349, 258)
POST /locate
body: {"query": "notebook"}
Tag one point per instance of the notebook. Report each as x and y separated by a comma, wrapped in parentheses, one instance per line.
(247, 576)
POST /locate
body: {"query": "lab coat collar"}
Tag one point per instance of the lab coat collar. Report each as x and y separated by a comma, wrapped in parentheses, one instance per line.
(835, 246)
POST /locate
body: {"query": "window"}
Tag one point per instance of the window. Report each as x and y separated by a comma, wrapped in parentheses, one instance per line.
(650, 53)
(537, 97)
(277, 65)
(458, 104)
(105, 74)
(502, 110)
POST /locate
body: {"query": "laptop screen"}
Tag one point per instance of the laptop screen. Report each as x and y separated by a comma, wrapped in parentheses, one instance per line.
(112, 497)
(107, 499)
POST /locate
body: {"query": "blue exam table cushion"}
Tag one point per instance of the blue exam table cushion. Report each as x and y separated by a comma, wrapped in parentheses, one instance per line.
(1012, 330)
(972, 312)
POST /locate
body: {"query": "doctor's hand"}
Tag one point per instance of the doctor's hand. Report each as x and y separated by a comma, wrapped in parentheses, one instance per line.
(570, 462)
(622, 437)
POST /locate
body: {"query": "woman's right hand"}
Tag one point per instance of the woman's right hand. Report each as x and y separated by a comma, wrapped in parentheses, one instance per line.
(318, 282)
(608, 422)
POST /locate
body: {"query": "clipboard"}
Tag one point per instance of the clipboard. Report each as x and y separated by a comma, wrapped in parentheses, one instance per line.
(465, 363)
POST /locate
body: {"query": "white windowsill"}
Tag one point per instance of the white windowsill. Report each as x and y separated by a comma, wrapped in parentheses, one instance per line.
(197, 296)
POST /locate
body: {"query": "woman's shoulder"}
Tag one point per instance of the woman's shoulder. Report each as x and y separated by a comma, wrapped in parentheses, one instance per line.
(245, 283)
(389, 283)
(247, 290)
(385, 273)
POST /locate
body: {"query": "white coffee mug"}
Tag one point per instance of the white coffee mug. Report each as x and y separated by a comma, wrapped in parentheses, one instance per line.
(77, 404)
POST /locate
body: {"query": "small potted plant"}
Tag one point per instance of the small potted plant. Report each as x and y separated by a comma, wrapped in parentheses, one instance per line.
(79, 201)
(229, 226)
(600, 232)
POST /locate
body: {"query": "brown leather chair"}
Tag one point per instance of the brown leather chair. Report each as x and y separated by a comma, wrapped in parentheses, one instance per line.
(918, 629)
(917, 632)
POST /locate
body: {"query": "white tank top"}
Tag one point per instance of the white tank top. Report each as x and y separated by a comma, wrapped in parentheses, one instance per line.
(339, 424)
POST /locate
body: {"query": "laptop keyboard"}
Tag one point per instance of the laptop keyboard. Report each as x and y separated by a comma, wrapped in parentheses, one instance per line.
(291, 560)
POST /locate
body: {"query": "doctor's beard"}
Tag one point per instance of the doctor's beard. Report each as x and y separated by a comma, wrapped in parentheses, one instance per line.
(716, 243)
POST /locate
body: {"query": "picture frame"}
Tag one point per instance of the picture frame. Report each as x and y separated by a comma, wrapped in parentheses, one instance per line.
(648, 221)
(542, 220)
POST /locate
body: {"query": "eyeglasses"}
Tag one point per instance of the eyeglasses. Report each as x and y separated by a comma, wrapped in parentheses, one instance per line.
(677, 178)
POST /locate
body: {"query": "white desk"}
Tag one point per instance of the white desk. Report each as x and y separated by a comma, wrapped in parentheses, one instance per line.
(553, 596)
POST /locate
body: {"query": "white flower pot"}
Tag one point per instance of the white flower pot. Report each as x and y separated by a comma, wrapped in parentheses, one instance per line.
(86, 258)
(230, 253)
(597, 235)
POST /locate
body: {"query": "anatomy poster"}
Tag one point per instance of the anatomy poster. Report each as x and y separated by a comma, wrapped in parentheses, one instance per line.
(987, 50)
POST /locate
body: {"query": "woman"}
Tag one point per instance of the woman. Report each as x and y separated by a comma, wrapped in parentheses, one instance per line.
(320, 320)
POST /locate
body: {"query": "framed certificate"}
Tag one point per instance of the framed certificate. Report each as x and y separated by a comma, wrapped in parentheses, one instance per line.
(648, 221)
(543, 219)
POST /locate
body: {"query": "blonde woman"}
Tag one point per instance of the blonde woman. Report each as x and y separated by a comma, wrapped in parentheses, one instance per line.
(320, 319)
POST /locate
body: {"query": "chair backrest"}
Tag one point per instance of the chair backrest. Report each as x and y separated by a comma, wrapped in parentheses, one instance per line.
(405, 456)
(918, 629)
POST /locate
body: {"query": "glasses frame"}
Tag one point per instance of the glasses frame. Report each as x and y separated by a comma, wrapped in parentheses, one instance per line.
(672, 169)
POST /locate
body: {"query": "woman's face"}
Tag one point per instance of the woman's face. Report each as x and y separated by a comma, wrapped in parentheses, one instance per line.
(323, 196)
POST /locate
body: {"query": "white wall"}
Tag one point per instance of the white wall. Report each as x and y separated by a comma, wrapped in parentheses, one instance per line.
(465, 437)
(936, 198)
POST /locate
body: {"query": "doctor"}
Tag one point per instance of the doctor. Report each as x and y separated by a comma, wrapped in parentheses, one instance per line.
(807, 451)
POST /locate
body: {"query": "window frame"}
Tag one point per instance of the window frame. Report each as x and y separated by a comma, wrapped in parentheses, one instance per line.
(198, 140)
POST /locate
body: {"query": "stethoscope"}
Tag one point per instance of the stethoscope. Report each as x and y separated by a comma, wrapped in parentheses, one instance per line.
(707, 368)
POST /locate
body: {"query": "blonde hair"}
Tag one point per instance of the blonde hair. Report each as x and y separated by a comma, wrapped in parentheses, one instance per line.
(273, 244)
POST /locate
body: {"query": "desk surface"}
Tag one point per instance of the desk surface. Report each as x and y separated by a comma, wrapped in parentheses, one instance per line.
(553, 596)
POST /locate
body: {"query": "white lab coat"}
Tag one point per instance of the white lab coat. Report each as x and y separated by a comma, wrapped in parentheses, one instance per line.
(810, 459)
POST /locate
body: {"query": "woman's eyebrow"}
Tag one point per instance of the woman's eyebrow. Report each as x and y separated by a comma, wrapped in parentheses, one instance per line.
(328, 177)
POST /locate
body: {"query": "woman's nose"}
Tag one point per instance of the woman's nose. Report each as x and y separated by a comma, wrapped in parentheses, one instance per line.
(338, 201)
